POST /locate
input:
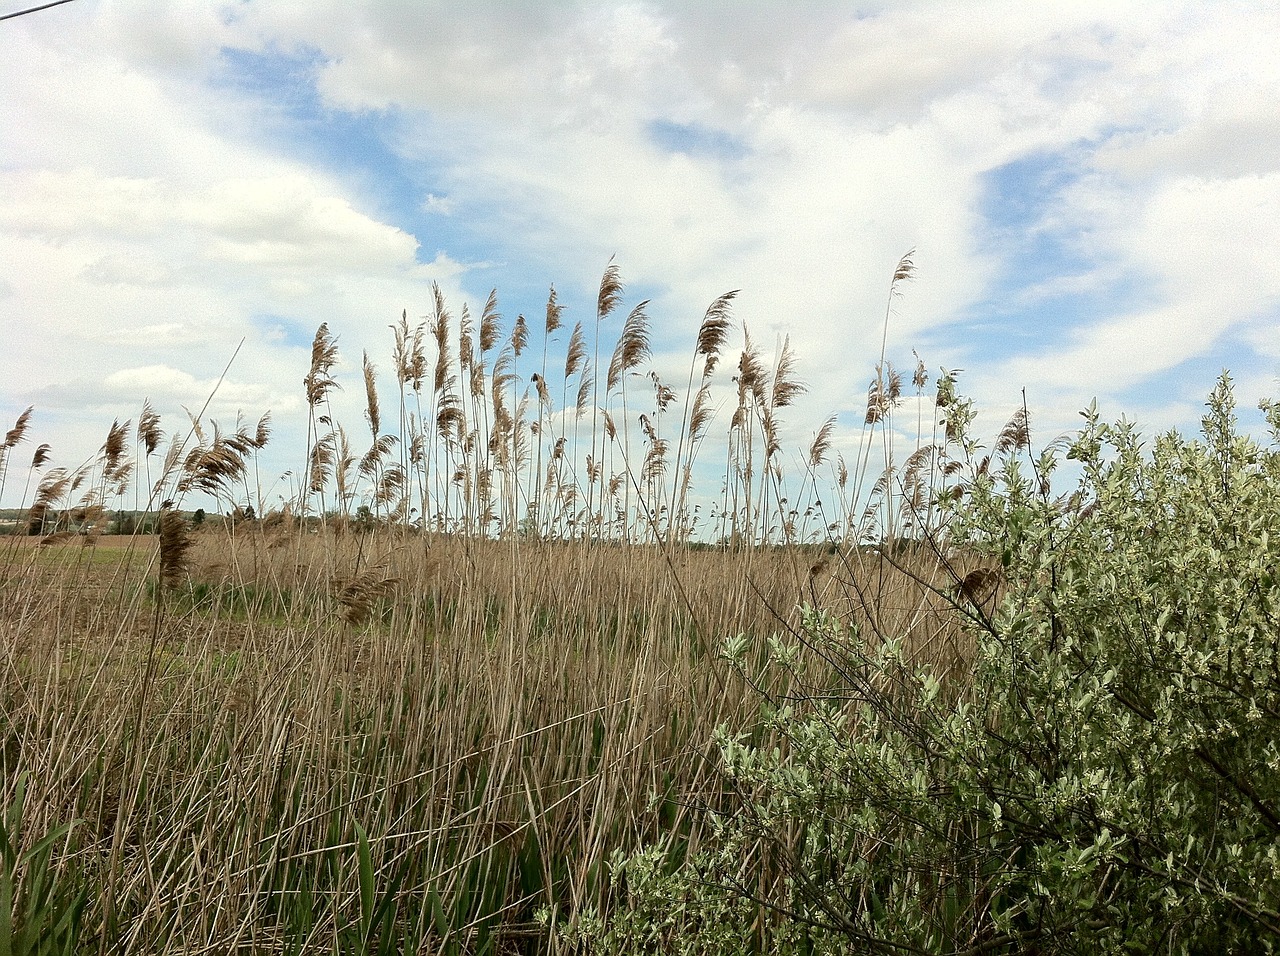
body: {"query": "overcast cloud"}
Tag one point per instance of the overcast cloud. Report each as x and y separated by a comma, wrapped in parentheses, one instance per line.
(1092, 191)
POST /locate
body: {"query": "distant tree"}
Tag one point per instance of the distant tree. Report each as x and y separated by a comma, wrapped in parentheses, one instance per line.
(198, 518)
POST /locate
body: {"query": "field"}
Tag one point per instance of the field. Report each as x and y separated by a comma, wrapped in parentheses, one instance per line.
(426, 703)
(467, 730)
(544, 670)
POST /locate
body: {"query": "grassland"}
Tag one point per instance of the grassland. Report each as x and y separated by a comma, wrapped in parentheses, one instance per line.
(427, 704)
(340, 742)
(495, 685)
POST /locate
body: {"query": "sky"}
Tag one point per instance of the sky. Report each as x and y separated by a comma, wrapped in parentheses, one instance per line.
(1091, 191)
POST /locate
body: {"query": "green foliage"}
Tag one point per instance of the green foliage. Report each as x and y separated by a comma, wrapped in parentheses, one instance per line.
(133, 522)
(1105, 778)
(39, 911)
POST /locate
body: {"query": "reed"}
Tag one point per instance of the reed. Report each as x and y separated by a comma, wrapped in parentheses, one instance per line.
(435, 694)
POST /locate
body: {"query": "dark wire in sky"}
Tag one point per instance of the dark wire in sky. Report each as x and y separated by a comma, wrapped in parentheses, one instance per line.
(43, 6)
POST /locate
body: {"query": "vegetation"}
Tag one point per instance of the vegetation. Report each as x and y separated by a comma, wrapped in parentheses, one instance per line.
(1104, 778)
(499, 684)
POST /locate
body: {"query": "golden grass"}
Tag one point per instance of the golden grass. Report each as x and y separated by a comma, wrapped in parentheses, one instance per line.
(298, 736)
(500, 718)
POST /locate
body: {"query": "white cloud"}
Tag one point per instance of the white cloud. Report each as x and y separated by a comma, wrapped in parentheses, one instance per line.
(441, 205)
(282, 220)
(156, 379)
(1205, 251)
(1214, 242)
(155, 206)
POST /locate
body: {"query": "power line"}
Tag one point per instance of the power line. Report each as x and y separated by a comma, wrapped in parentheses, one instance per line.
(43, 6)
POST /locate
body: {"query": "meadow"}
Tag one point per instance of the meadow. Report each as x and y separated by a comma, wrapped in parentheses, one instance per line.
(480, 725)
(499, 680)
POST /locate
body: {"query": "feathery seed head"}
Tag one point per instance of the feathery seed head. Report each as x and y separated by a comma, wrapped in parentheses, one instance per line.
(489, 320)
(577, 352)
(821, 442)
(18, 432)
(632, 347)
(714, 330)
(610, 291)
(372, 413)
(554, 310)
(519, 335)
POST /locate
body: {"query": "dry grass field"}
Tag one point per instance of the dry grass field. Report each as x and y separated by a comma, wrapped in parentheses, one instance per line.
(423, 706)
(306, 741)
(507, 681)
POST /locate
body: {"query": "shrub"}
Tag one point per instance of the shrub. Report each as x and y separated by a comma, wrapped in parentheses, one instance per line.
(1106, 776)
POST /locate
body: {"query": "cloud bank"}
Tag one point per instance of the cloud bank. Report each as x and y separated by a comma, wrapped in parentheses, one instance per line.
(1092, 191)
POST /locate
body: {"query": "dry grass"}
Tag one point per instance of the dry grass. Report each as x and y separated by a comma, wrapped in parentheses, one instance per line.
(304, 735)
(506, 716)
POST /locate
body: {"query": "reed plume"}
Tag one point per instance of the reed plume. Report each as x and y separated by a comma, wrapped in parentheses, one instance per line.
(544, 394)
(489, 320)
(18, 432)
(358, 595)
(752, 376)
(920, 378)
(554, 311)
(53, 487)
(262, 433)
(632, 347)
(400, 352)
(149, 433)
(12, 438)
(113, 448)
(1015, 435)
(324, 355)
(519, 335)
(577, 352)
(466, 342)
(786, 388)
(585, 385)
(440, 332)
(378, 452)
(714, 330)
(321, 464)
(821, 442)
(175, 545)
(217, 467)
(611, 290)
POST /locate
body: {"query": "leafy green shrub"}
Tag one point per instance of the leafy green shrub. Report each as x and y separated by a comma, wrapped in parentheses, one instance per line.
(1105, 778)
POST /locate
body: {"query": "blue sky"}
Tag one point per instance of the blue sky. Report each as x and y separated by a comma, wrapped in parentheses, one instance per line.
(1092, 191)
